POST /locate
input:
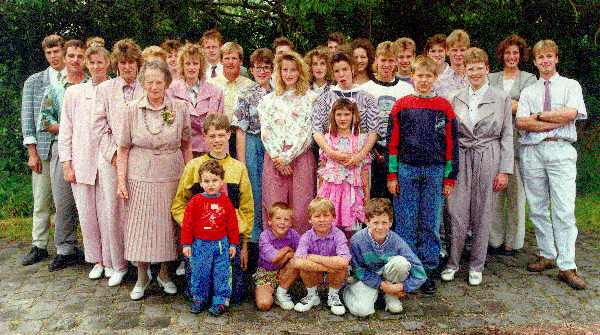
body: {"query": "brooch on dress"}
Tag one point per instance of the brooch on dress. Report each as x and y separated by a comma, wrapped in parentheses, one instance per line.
(168, 116)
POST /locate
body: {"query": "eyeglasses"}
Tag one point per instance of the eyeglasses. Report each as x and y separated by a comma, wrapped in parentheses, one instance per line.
(263, 68)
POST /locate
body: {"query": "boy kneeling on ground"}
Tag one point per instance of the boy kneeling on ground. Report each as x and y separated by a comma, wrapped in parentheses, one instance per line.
(381, 260)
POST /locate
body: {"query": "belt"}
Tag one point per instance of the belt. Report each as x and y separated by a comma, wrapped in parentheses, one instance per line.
(553, 139)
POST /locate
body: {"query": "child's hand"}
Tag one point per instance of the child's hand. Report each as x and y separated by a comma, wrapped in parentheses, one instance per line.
(393, 187)
(448, 189)
(231, 252)
(396, 290)
(187, 251)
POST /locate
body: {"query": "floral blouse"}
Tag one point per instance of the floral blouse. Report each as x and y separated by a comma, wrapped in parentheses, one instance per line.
(333, 172)
(246, 115)
(285, 124)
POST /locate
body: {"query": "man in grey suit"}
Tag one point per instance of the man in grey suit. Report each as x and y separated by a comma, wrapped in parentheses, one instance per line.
(38, 144)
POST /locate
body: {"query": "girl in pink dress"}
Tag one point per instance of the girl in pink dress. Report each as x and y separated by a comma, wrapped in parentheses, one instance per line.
(345, 184)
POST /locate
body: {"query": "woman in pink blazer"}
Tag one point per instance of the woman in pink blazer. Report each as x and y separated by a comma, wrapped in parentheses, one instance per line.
(202, 97)
(77, 150)
(112, 97)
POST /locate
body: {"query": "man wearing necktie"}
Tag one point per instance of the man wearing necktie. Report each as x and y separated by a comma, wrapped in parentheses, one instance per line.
(546, 117)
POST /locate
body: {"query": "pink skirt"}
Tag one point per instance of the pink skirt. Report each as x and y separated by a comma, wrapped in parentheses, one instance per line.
(348, 201)
(150, 230)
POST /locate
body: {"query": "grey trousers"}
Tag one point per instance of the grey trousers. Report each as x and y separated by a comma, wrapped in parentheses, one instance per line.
(66, 211)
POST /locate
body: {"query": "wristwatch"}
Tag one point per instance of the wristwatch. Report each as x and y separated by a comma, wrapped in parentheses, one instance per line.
(538, 116)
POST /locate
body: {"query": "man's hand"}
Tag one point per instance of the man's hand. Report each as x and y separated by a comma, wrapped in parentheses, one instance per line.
(187, 251)
(34, 162)
(244, 256)
(500, 182)
(53, 128)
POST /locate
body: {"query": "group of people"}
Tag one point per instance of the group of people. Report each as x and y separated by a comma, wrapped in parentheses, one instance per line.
(368, 168)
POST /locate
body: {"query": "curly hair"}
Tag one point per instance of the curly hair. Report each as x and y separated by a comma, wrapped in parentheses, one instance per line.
(513, 40)
(191, 50)
(126, 49)
(303, 83)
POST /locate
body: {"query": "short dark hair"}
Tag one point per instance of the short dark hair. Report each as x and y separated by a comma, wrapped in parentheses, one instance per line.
(262, 55)
(218, 120)
(279, 205)
(433, 40)
(378, 206)
(52, 41)
(213, 167)
(75, 44)
(513, 40)
(336, 37)
(279, 41)
(342, 57)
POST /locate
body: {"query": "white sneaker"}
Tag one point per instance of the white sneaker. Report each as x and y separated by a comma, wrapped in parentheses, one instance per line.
(116, 277)
(284, 301)
(96, 272)
(180, 269)
(168, 286)
(475, 278)
(108, 272)
(448, 274)
(334, 302)
(392, 304)
(307, 303)
(138, 291)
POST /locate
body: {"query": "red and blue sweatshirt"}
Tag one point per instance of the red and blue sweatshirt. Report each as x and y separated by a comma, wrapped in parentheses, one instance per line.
(423, 131)
(209, 217)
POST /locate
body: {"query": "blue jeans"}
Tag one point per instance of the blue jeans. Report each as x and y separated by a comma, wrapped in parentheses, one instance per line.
(209, 272)
(416, 210)
(255, 153)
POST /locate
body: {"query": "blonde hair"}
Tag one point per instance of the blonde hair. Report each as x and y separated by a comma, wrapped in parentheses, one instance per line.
(278, 206)
(232, 47)
(94, 41)
(302, 85)
(219, 121)
(212, 34)
(458, 36)
(318, 205)
(387, 48)
(426, 63)
(126, 49)
(321, 53)
(405, 43)
(476, 55)
(544, 44)
(98, 50)
(154, 51)
(52, 41)
(190, 50)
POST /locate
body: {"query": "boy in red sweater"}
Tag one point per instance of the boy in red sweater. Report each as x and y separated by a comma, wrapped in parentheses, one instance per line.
(209, 233)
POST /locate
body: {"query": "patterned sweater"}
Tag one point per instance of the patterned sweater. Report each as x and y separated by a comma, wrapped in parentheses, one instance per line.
(369, 258)
(423, 131)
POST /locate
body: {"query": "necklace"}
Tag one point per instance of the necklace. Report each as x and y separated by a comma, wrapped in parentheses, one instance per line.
(162, 125)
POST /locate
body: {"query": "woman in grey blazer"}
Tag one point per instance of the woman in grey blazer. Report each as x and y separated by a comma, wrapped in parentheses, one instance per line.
(507, 233)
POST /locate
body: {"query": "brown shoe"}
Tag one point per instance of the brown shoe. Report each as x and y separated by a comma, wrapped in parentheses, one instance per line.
(540, 264)
(572, 279)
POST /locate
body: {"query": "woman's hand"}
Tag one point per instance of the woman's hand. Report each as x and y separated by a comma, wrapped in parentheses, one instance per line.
(122, 190)
(68, 172)
(393, 187)
(500, 182)
(187, 251)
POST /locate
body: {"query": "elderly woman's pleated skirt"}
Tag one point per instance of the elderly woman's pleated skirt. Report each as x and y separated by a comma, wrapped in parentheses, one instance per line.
(150, 231)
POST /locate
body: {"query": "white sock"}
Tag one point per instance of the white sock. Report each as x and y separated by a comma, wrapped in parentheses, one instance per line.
(335, 291)
(311, 290)
(281, 290)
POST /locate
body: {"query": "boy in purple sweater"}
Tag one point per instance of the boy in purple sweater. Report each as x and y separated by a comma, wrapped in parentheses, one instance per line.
(276, 248)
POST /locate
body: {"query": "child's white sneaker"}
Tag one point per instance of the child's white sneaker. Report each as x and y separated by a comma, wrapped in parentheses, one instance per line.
(284, 301)
(392, 304)
(96, 272)
(448, 274)
(475, 278)
(180, 269)
(334, 302)
(307, 303)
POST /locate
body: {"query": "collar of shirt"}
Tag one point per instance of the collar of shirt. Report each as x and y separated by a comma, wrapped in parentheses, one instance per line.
(273, 237)
(211, 196)
(329, 236)
(145, 103)
(380, 245)
(554, 77)
(480, 92)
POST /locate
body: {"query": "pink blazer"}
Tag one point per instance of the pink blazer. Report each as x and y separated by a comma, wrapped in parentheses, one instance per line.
(76, 140)
(110, 103)
(210, 100)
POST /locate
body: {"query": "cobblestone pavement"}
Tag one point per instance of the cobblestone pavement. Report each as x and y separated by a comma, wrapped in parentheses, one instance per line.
(33, 300)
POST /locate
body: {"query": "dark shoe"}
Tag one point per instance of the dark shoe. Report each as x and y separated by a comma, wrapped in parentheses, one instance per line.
(197, 307)
(62, 261)
(572, 279)
(217, 310)
(428, 287)
(35, 255)
(495, 251)
(540, 264)
(508, 253)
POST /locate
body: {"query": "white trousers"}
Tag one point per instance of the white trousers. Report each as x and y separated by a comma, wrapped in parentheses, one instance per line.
(549, 171)
(42, 202)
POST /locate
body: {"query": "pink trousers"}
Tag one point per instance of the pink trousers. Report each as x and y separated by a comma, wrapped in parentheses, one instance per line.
(296, 190)
(95, 236)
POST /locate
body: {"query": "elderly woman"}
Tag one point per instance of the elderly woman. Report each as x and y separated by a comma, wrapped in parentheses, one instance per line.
(202, 98)
(249, 145)
(507, 234)
(285, 128)
(111, 99)
(78, 150)
(485, 133)
(318, 60)
(154, 145)
(172, 48)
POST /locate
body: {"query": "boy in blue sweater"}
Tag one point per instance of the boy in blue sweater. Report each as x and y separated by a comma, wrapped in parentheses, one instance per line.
(381, 260)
